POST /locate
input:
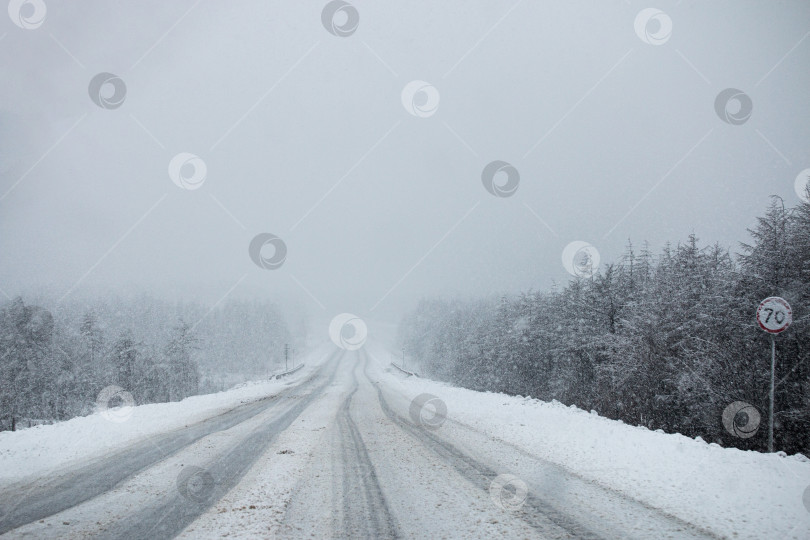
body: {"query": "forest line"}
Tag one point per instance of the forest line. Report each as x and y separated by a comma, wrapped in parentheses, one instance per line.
(666, 341)
(78, 358)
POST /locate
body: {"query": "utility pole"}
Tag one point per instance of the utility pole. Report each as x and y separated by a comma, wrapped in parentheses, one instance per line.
(286, 355)
(403, 357)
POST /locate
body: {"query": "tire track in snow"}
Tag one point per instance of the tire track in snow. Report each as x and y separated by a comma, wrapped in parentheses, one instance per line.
(539, 506)
(365, 513)
(56, 493)
(534, 512)
(174, 513)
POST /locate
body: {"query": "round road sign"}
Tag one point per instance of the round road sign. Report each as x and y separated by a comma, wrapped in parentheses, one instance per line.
(774, 315)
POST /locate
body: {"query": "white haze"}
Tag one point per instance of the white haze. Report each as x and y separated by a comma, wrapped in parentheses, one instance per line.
(615, 116)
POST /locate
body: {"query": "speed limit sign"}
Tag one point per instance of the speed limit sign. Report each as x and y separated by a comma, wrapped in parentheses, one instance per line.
(774, 315)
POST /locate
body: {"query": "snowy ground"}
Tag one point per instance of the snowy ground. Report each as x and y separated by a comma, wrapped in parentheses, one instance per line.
(52, 447)
(733, 493)
(338, 453)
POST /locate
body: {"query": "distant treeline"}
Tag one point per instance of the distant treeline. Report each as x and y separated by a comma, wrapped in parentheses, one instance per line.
(54, 363)
(665, 341)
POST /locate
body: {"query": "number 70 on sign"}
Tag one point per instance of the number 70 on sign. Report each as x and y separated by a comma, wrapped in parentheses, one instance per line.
(774, 315)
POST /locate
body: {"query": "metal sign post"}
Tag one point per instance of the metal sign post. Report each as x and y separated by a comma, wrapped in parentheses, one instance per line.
(773, 316)
(770, 408)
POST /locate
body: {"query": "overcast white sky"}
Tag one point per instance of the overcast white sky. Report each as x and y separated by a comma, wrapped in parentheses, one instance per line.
(305, 136)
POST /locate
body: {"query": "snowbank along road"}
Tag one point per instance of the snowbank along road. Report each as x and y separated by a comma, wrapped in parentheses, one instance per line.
(339, 453)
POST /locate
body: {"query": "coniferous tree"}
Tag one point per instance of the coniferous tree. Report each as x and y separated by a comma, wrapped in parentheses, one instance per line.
(666, 342)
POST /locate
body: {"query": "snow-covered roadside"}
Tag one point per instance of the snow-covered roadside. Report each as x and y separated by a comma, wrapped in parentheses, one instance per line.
(42, 449)
(730, 492)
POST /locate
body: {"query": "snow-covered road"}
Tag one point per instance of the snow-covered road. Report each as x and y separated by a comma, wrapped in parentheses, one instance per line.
(345, 450)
